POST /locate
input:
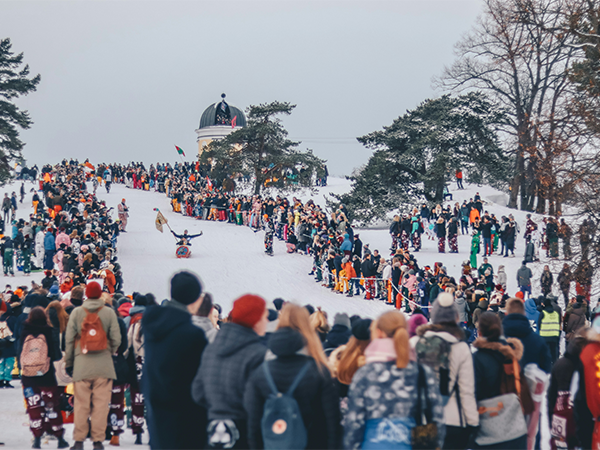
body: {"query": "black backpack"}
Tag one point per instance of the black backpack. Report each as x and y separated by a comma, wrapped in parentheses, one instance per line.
(282, 426)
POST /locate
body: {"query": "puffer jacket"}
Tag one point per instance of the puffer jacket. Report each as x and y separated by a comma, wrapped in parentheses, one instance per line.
(316, 395)
(535, 349)
(575, 321)
(462, 376)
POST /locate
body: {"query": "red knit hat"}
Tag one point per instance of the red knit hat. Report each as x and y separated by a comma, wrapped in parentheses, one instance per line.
(248, 310)
(519, 294)
(93, 290)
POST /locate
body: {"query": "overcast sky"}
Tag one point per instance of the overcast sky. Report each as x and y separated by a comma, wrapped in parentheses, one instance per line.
(127, 80)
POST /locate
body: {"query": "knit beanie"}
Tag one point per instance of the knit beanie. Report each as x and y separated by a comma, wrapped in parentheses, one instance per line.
(185, 287)
(93, 290)
(443, 310)
(415, 321)
(361, 330)
(342, 319)
(248, 310)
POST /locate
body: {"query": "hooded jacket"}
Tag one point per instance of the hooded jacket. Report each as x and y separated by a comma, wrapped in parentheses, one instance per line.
(316, 394)
(173, 348)
(535, 349)
(488, 362)
(575, 321)
(226, 366)
(339, 335)
(462, 376)
(98, 364)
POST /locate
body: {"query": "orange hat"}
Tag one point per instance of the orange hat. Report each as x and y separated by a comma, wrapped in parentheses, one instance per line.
(123, 200)
(519, 295)
(19, 292)
(248, 310)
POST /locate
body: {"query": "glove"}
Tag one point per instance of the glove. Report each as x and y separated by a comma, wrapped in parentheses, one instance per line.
(69, 371)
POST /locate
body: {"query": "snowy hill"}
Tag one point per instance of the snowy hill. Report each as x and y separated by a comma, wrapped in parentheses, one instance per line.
(230, 259)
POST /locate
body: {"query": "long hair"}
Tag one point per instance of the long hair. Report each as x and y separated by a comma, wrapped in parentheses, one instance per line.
(318, 320)
(38, 317)
(351, 359)
(393, 325)
(297, 318)
(62, 315)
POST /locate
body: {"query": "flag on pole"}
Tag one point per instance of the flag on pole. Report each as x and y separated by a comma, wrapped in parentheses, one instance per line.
(209, 184)
(160, 221)
(233, 122)
(180, 151)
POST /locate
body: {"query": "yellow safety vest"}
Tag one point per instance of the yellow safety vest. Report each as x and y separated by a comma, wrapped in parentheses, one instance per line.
(550, 326)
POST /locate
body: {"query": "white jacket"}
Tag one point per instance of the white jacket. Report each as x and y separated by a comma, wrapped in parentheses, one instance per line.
(462, 376)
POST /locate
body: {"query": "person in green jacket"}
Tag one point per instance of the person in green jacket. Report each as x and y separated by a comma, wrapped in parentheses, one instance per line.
(474, 249)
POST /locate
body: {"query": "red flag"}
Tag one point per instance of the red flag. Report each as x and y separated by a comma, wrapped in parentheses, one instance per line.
(233, 122)
(209, 183)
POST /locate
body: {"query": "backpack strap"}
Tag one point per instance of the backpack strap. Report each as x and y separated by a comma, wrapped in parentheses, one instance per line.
(269, 378)
(297, 380)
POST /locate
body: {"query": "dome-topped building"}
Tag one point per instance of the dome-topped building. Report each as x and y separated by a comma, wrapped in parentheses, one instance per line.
(217, 121)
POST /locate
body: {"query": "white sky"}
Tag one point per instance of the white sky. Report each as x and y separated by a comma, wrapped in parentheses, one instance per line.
(128, 80)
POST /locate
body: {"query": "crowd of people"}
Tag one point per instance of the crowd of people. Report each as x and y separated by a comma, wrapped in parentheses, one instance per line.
(452, 363)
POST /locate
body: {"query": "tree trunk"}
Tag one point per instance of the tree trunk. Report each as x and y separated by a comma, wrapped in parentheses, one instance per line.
(258, 183)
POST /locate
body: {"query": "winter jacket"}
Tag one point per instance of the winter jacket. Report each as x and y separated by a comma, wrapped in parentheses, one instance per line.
(575, 321)
(49, 378)
(62, 238)
(49, 243)
(524, 276)
(587, 400)
(531, 312)
(90, 366)
(226, 366)
(316, 395)
(535, 349)
(207, 326)
(381, 390)
(462, 376)
(462, 308)
(346, 245)
(173, 349)
(562, 372)
(339, 335)
(488, 361)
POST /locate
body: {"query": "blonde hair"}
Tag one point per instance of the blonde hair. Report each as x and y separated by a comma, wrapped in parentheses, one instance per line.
(393, 325)
(297, 318)
(62, 315)
(318, 320)
(351, 359)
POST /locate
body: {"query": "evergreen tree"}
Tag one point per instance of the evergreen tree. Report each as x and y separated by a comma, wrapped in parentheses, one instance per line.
(418, 154)
(14, 82)
(261, 149)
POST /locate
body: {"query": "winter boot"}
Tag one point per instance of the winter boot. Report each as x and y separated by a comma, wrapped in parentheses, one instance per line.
(138, 439)
(98, 446)
(114, 441)
(107, 435)
(62, 443)
(37, 442)
(78, 445)
(8, 385)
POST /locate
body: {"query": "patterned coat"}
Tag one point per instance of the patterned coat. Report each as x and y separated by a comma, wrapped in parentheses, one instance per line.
(380, 390)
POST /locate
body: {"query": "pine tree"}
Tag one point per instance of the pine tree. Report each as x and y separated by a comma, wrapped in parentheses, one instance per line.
(14, 82)
(416, 156)
(261, 149)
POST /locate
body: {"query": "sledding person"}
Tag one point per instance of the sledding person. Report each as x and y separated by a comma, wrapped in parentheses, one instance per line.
(387, 388)
(185, 238)
(173, 347)
(38, 350)
(93, 335)
(299, 362)
(226, 366)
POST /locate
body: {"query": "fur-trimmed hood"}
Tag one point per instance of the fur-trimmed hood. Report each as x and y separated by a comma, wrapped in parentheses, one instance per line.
(512, 349)
(455, 331)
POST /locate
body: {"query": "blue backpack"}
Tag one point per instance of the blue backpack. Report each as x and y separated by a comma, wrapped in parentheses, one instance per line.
(282, 426)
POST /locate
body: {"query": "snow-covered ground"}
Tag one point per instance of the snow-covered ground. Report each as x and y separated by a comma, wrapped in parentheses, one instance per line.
(231, 261)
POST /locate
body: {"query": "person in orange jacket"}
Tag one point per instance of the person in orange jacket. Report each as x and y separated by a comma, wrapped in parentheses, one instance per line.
(350, 274)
